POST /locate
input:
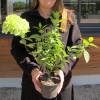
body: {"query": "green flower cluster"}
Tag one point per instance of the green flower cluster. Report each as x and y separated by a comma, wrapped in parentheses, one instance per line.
(15, 25)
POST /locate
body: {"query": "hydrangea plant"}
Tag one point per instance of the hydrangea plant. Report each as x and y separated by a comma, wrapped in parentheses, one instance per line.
(49, 49)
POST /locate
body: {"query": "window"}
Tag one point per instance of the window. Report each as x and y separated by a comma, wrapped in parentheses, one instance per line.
(12, 6)
(90, 11)
(71, 4)
(20, 5)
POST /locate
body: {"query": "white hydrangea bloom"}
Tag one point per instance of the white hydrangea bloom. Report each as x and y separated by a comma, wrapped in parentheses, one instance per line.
(15, 25)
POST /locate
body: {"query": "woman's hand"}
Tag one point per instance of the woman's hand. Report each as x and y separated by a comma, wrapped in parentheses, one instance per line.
(35, 79)
(60, 85)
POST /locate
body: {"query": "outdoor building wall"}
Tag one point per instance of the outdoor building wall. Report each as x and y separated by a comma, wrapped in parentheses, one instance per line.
(88, 11)
(9, 67)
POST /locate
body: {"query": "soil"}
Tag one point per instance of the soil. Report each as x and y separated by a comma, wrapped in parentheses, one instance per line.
(49, 80)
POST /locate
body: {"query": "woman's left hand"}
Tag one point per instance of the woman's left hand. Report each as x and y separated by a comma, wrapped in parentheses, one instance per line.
(60, 85)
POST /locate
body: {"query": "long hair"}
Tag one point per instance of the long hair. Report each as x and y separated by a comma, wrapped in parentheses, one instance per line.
(59, 6)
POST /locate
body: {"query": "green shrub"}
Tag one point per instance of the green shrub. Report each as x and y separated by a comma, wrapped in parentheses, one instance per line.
(19, 5)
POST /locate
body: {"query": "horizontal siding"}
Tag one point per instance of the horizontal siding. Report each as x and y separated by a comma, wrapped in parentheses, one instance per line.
(9, 67)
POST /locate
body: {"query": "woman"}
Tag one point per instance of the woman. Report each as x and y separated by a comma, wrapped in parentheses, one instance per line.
(41, 12)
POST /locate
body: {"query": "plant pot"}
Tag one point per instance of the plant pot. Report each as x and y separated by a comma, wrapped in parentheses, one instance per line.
(49, 86)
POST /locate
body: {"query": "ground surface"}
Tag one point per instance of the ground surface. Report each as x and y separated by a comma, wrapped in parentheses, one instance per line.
(86, 92)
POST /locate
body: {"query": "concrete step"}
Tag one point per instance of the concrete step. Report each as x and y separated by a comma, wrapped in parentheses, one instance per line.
(84, 92)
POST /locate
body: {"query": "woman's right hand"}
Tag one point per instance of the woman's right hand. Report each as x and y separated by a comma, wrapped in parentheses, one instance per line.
(35, 79)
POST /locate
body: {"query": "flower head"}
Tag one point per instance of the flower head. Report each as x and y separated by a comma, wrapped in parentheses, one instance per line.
(15, 25)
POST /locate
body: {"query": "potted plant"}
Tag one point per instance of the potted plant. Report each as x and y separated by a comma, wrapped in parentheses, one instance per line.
(49, 50)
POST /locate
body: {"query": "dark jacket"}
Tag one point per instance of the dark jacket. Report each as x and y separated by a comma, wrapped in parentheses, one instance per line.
(26, 61)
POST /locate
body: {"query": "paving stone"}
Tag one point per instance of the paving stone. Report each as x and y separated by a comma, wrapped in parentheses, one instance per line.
(86, 92)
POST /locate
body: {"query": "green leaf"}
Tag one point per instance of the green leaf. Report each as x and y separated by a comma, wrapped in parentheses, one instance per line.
(35, 36)
(29, 39)
(44, 59)
(23, 41)
(86, 56)
(92, 44)
(74, 57)
(31, 45)
(40, 25)
(69, 48)
(85, 43)
(75, 46)
(90, 39)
